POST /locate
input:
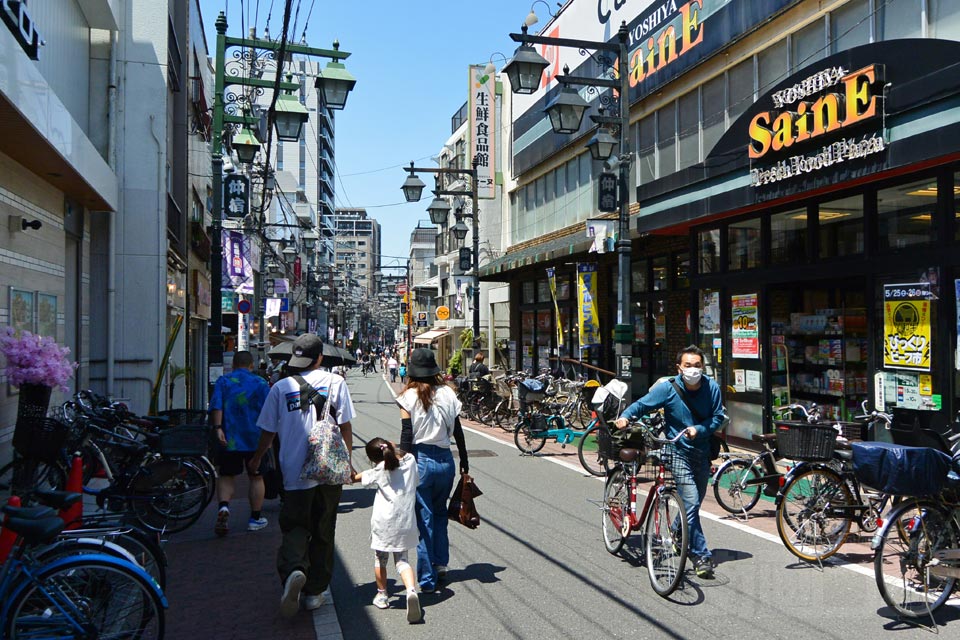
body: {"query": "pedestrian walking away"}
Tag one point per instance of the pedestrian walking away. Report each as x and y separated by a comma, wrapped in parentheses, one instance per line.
(234, 408)
(393, 524)
(308, 516)
(392, 367)
(478, 369)
(692, 405)
(402, 372)
(429, 416)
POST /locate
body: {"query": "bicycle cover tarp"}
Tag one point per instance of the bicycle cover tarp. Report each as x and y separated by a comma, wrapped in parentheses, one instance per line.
(900, 470)
(531, 385)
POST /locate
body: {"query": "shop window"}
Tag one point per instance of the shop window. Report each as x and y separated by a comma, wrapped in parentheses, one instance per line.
(945, 19)
(689, 139)
(900, 19)
(956, 208)
(585, 200)
(528, 291)
(743, 245)
(905, 214)
(660, 272)
(647, 151)
(712, 101)
(841, 227)
(666, 140)
(740, 89)
(772, 65)
(788, 237)
(528, 320)
(708, 244)
(638, 277)
(808, 45)
(543, 290)
(850, 26)
(563, 287)
(682, 270)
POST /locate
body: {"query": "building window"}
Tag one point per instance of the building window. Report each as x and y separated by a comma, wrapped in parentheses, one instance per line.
(840, 225)
(772, 65)
(688, 108)
(808, 45)
(740, 89)
(788, 237)
(661, 270)
(708, 243)
(682, 270)
(666, 140)
(743, 242)
(900, 19)
(638, 273)
(850, 26)
(905, 214)
(647, 150)
(713, 120)
(945, 19)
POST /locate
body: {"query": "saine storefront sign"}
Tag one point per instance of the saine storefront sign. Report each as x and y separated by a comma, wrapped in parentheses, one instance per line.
(821, 107)
(15, 15)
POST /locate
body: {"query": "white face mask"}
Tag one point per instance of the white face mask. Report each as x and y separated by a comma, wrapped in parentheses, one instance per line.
(691, 375)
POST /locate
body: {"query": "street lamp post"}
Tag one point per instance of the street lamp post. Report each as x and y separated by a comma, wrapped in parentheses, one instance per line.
(409, 315)
(566, 112)
(335, 82)
(439, 211)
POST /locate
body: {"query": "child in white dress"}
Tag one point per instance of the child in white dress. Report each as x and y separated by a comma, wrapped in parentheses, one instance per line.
(393, 524)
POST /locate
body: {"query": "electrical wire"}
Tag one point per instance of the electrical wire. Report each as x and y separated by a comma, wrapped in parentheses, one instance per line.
(303, 38)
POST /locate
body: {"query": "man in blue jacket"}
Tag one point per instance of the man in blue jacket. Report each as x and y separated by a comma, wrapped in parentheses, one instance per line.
(692, 405)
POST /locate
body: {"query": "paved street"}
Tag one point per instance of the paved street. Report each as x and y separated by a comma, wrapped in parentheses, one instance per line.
(536, 567)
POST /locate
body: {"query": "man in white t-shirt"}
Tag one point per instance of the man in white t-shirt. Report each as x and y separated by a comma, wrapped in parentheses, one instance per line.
(308, 517)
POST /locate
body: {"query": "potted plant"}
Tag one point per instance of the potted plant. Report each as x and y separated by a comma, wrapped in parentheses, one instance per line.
(36, 365)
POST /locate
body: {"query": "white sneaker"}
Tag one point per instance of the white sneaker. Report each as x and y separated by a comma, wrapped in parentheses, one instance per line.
(256, 524)
(290, 600)
(313, 602)
(380, 601)
(414, 614)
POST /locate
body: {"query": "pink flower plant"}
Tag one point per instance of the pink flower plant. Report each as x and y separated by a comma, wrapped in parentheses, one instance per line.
(33, 359)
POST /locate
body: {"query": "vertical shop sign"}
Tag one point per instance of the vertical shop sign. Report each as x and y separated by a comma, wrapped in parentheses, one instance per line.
(746, 335)
(906, 326)
(552, 279)
(483, 110)
(587, 304)
(236, 196)
(236, 266)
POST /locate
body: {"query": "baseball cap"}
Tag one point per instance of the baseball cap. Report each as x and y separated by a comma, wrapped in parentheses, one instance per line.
(306, 349)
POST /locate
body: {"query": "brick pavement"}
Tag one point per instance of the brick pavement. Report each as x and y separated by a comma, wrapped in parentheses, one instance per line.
(228, 588)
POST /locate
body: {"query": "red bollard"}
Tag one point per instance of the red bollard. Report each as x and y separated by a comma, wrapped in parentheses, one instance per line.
(73, 516)
(7, 537)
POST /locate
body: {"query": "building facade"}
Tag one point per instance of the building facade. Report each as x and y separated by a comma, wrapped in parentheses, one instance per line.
(794, 207)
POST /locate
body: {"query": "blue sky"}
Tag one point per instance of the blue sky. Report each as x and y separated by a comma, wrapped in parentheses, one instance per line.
(410, 60)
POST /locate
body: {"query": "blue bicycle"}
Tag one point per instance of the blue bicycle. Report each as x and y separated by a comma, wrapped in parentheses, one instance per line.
(90, 595)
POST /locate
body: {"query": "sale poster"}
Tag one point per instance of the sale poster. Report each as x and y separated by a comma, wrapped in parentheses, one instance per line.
(746, 326)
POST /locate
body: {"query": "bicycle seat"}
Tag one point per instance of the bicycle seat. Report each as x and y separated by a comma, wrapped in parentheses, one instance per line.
(629, 455)
(57, 499)
(36, 530)
(28, 513)
(764, 437)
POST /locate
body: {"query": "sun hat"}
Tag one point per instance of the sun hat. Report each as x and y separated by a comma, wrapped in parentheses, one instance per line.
(423, 364)
(306, 349)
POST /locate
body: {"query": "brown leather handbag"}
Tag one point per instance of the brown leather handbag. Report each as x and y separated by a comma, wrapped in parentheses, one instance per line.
(462, 508)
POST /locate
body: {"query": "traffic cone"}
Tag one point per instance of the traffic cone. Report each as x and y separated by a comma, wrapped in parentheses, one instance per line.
(7, 537)
(73, 516)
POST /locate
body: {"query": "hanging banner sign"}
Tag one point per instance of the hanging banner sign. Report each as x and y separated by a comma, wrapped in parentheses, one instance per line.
(482, 109)
(746, 326)
(906, 326)
(552, 279)
(235, 264)
(587, 304)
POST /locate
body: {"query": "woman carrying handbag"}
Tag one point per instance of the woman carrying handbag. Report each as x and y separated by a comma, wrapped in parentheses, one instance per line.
(429, 417)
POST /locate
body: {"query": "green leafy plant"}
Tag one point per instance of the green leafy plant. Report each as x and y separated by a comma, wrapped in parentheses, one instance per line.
(455, 366)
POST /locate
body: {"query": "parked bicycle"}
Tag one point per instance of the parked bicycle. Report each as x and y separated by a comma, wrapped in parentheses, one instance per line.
(662, 518)
(740, 479)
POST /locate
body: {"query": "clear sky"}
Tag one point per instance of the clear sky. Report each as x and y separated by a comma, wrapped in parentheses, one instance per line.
(410, 59)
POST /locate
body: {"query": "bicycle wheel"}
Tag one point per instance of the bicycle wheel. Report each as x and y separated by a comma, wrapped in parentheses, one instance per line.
(141, 545)
(806, 521)
(86, 597)
(735, 487)
(918, 586)
(666, 542)
(615, 509)
(168, 495)
(502, 416)
(528, 440)
(21, 477)
(582, 413)
(591, 454)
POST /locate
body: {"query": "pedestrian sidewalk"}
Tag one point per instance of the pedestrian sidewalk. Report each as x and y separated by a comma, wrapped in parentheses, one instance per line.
(228, 588)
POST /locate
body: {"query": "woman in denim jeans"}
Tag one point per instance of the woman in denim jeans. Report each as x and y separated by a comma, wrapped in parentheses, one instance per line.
(429, 415)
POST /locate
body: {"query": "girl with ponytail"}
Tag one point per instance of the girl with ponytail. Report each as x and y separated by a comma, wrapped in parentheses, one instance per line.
(393, 523)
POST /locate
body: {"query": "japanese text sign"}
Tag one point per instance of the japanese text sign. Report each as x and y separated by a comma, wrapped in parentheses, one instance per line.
(906, 326)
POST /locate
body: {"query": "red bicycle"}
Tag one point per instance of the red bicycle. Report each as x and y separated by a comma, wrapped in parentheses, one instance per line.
(662, 518)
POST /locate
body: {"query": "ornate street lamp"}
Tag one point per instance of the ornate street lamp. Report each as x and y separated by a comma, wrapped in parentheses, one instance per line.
(246, 145)
(525, 68)
(460, 229)
(335, 82)
(566, 110)
(602, 144)
(439, 210)
(412, 187)
(289, 116)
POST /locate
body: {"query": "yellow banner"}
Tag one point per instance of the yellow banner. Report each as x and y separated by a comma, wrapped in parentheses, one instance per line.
(906, 327)
(587, 304)
(552, 279)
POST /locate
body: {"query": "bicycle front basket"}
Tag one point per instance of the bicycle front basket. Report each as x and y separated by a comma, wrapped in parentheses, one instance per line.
(40, 438)
(184, 440)
(804, 441)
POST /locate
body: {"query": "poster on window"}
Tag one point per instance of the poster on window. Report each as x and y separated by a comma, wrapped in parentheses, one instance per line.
(587, 304)
(746, 333)
(906, 326)
(710, 312)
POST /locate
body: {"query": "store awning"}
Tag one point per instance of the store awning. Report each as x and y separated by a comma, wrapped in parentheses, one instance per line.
(520, 256)
(431, 336)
